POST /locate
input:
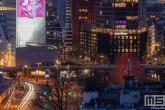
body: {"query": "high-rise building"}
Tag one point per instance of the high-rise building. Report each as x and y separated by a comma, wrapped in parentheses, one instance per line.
(53, 29)
(7, 32)
(67, 31)
(121, 27)
(83, 12)
(61, 12)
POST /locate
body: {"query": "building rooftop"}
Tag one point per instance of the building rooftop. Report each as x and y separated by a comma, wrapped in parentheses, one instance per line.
(90, 87)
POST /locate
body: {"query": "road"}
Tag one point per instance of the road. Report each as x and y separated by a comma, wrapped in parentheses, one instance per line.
(28, 97)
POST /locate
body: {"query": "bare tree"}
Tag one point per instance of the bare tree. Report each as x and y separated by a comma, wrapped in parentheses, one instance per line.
(56, 95)
(116, 76)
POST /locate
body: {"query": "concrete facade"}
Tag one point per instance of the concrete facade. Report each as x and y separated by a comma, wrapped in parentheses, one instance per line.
(30, 55)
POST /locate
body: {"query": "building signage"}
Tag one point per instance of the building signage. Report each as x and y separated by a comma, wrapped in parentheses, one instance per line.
(121, 22)
(120, 33)
(30, 8)
(111, 33)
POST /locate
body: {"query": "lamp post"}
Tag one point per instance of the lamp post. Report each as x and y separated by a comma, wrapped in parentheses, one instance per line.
(24, 68)
(57, 70)
(68, 73)
(38, 63)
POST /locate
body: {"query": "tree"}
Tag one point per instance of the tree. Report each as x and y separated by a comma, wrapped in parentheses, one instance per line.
(56, 95)
(120, 69)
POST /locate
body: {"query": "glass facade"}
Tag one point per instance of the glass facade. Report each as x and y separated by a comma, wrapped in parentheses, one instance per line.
(83, 12)
(122, 23)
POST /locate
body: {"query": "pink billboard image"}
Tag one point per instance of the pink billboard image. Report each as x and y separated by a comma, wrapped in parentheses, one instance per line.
(30, 8)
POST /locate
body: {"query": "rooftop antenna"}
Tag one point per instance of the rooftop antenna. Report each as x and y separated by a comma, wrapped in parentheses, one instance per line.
(128, 67)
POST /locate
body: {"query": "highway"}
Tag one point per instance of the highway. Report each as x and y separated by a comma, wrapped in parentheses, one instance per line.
(27, 99)
(10, 96)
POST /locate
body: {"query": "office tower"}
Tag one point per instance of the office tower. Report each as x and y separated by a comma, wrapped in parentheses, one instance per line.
(67, 31)
(53, 29)
(121, 27)
(83, 12)
(61, 12)
(7, 32)
(51, 10)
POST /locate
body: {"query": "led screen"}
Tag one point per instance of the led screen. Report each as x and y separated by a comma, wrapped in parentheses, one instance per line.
(30, 8)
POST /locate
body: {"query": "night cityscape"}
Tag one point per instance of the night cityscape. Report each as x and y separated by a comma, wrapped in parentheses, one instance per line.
(82, 54)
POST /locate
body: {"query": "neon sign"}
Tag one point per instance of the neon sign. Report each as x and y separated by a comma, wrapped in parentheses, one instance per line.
(121, 22)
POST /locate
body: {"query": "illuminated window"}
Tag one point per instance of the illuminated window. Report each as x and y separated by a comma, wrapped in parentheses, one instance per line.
(130, 37)
(134, 37)
(122, 37)
(130, 41)
(126, 50)
(130, 32)
(100, 12)
(131, 17)
(126, 37)
(130, 50)
(134, 31)
(118, 50)
(112, 4)
(134, 50)
(120, 4)
(120, 26)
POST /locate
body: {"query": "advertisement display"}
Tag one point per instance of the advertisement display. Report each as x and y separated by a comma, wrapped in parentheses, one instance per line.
(30, 8)
(30, 22)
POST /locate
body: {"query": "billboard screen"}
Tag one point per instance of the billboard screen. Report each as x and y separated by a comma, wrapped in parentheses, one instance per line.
(30, 8)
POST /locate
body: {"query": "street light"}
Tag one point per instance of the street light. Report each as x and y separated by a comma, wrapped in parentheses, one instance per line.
(57, 69)
(38, 63)
(68, 73)
(24, 68)
(27, 67)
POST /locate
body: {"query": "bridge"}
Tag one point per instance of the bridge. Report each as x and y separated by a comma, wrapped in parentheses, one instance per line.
(154, 67)
(62, 68)
(53, 68)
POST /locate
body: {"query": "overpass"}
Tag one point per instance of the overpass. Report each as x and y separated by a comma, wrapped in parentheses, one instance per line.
(53, 68)
(158, 67)
(62, 68)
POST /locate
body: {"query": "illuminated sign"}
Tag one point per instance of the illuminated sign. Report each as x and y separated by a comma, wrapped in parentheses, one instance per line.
(121, 22)
(111, 33)
(30, 8)
(120, 33)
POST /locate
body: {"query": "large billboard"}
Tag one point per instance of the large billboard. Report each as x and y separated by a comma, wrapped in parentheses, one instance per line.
(30, 22)
(30, 8)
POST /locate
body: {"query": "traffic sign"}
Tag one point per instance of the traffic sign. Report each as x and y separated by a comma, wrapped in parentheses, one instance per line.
(47, 73)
